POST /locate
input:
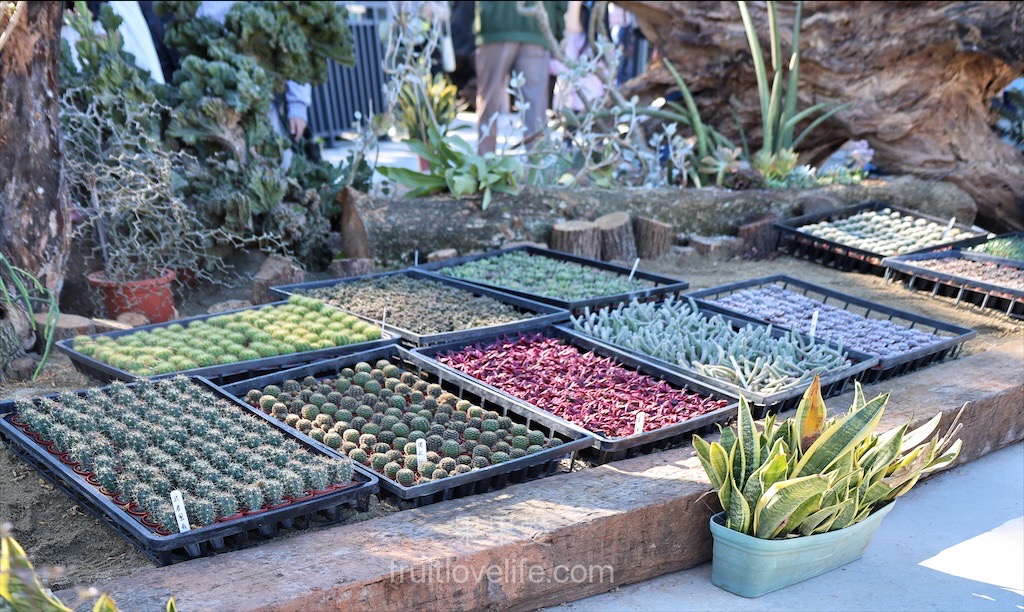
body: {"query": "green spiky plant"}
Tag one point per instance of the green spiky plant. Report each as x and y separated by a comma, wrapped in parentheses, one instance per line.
(778, 97)
(810, 474)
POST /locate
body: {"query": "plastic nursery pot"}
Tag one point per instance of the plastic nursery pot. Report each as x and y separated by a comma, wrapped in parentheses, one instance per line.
(150, 296)
(751, 567)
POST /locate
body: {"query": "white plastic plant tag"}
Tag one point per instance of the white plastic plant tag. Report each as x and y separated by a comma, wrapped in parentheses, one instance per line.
(638, 426)
(949, 227)
(814, 323)
(421, 450)
(179, 511)
(633, 271)
(383, 319)
(416, 257)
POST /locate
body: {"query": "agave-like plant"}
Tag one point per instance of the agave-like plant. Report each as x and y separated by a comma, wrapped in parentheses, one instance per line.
(810, 474)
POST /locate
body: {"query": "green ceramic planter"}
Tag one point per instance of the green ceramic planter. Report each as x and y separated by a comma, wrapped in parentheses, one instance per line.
(751, 567)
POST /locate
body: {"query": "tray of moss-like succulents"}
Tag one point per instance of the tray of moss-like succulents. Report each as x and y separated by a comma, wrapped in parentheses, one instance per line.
(227, 346)
(965, 275)
(121, 451)
(771, 367)
(426, 309)
(902, 341)
(857, 238)
(1005, 249)
(589, 387)
(556, 278)
(375, 406)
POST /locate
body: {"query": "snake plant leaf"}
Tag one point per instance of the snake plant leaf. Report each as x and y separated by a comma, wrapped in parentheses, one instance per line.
(19, 585)
(841, 437)
(918, 435)
(810, 415)
(817, 518)
(767, 474)
(799, 515)
(750, 448)
(782, 499)
(843, 516)
(874, 493)
(738, 511)
(944, 459)
(715, 460)
(877, 459)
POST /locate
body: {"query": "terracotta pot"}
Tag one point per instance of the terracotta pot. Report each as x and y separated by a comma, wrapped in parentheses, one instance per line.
(230, 517)
(151, 296)
(424, 164)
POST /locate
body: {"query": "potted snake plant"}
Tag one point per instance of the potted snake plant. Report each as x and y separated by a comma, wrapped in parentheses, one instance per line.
(805, 495)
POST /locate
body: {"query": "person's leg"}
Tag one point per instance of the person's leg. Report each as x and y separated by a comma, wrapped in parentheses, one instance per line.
(532, 61)
(492, 65)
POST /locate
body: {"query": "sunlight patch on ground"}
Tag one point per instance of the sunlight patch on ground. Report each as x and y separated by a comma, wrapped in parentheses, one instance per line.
(992, 557)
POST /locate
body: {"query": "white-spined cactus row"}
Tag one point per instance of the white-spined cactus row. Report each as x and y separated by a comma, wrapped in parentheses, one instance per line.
(885, 231)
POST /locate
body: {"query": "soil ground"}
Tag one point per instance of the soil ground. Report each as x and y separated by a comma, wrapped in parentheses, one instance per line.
(57, 533)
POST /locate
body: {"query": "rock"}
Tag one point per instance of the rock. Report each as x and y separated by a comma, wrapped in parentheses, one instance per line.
(276, 270)
(22, 368)
(345, 268)
(726, 246)
(133, 319)
(334, 242)
(815, 204)
(682, 251)
(441, 255)
(108, 325)
(228, 305)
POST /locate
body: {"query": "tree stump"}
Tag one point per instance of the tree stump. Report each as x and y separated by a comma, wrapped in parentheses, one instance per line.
(10, 344)
(68, 326)
(653, 238)
(760, 238)
(617, 241)
(581, 238)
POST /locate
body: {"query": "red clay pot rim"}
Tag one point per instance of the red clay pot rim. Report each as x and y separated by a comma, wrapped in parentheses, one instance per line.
(96, 279)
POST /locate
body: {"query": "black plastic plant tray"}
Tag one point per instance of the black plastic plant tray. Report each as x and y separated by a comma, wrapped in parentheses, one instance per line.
(848, 258)
(834, 383)
(985, 295)
(491, 478)
(663, 285)
(604, 449)
(887, 367)
(544, 313)
(1006, 261)
(233, 534)
(220, 374)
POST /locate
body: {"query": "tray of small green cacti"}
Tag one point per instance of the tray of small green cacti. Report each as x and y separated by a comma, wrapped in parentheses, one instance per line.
(124, 451)
(903, 341)
(385, 400)
(426, 309)
(227, 346)
(857, 238)
(965, 275)
(556, 278)
(771, 367)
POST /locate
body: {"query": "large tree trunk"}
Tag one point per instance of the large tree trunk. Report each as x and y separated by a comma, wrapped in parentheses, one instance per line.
(34, 230)
(920, 76)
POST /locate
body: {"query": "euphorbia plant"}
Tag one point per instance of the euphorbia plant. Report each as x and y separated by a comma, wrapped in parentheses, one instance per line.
(809, 474)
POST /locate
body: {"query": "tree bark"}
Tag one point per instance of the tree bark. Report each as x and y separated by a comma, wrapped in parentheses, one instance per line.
(35, 234)
(920, 77)
(581, 238)
(653, 238)
(617, 242)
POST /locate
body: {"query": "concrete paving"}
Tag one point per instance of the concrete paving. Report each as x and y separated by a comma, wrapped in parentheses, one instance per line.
(955, 542)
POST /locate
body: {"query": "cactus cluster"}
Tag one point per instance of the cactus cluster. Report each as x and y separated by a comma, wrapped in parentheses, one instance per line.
(1011, 277)
(885, 232)
(303, 324)
(375, 413)
(143, 441)
(1007, 247)
(545, 276)
(419, 305)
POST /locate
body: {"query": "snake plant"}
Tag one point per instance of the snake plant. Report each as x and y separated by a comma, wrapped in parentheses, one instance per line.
(809, 474)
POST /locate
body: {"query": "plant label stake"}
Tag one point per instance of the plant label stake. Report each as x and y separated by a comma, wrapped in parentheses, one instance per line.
(179, 511)
(952, 220)
(633, 271)
(638, 426)
(383, 318)
(416, 258)
(814, 323)
(421, 450)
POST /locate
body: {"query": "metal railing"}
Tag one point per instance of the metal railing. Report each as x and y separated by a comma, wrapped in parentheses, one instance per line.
(355, 88)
